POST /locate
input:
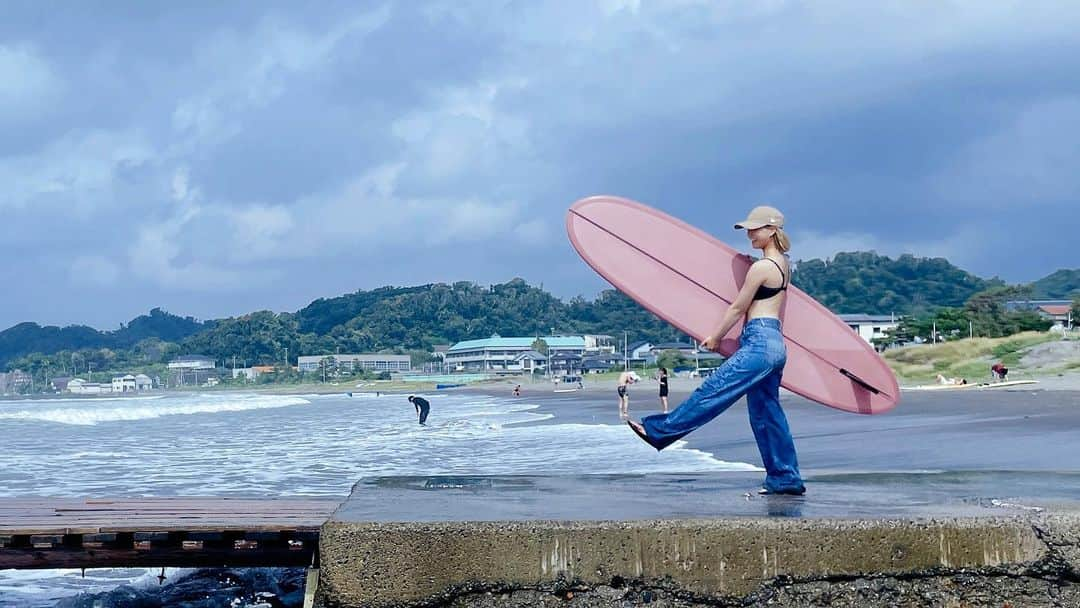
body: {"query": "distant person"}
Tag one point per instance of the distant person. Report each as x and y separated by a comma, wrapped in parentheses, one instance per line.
(663, 388)
(949, 381)
(517, 391)
(625, 380)
(422, 408)
(999, 371)
(754, 370)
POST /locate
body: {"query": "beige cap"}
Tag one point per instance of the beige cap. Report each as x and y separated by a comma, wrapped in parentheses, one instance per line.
(762, 216)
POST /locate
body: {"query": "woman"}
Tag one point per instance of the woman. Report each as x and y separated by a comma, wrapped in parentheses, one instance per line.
(663, 388)
(756, 367)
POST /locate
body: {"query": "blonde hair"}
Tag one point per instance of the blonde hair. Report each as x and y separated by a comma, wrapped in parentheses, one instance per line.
(783, 242)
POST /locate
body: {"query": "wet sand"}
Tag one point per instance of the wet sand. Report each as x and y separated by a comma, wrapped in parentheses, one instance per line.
(1016, 449)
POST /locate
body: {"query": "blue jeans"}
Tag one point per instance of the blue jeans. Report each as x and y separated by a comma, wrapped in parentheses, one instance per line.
(755, 371)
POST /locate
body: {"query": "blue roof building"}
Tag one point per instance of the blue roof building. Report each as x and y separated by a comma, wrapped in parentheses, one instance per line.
(507, 354)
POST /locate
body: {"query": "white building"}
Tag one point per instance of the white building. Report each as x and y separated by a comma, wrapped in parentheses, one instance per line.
(78, 386)
(351, 363)
(143, 382)
(123, 384)
(505, 354)
(530, 360)
(192, 370)
(870, 326)
(192, 362)
(599, 343)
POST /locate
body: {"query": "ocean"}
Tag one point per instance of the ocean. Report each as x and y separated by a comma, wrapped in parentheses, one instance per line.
(236, 444)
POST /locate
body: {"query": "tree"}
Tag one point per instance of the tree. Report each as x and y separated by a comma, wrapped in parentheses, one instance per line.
(672, 359)
(329, 366)
(1074, 312)
(540, 345)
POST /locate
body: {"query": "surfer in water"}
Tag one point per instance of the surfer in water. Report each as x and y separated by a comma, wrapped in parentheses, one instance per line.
(422, 408)
(754, 370)
(625, 380)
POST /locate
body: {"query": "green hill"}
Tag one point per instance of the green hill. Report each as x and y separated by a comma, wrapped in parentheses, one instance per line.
(865, 282)
(1061, 285)
(413, 319)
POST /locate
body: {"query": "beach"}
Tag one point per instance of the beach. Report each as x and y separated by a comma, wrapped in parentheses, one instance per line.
(973, 452)
(970, 437)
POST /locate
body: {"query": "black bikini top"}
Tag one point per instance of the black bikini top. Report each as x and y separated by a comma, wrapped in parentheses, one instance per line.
(764, 293)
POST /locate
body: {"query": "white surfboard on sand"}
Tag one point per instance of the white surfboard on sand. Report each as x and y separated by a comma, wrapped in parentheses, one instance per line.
(981, 385)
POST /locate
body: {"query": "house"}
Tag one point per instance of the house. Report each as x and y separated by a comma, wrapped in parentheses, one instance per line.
(1057, 311)
(501, 354)
(143, 383)
(870, 326)
(565, 363)
(192, 362)
(123, 384)
(599, 343)
(682, 347)
(59, 383)
(352, 363)
(192, 369)
(1060, 314)
(438, 351)
(1035, 305)
(78, 386)
(597, 365)
(14, 381)
(640, 350)
(530, 361)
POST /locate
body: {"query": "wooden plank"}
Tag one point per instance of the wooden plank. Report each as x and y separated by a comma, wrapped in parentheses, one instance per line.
(177, 557)
(256, 519)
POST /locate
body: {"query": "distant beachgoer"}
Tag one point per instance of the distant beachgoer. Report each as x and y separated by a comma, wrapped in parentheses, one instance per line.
(422, 408)
(999, 371)
(663, 388)
(625, 380)
(517, 391)
(950, 381)
(754, 370)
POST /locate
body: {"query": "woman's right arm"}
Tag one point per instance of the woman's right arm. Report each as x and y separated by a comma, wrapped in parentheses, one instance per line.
(755, 277)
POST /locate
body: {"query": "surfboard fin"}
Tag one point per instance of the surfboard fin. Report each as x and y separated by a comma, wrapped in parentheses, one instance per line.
(860, 381)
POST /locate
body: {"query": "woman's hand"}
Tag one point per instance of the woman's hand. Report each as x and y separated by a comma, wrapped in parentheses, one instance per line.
(712, 343)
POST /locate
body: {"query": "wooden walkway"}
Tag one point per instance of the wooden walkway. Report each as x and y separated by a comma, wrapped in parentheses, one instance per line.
(194, 532)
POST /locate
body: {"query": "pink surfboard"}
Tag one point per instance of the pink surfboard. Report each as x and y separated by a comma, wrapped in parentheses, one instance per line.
(689, 278)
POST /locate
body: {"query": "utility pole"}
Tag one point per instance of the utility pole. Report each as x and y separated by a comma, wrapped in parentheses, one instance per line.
(625, 354)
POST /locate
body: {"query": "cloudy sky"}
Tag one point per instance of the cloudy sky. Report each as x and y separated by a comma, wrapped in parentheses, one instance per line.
(230, 157)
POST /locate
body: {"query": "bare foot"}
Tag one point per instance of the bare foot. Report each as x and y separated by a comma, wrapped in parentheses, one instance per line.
(640, 432)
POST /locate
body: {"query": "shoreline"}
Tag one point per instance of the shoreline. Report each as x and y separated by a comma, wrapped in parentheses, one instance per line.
(647, 389)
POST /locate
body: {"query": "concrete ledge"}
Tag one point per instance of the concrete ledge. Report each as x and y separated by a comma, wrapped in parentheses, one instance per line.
(706, 562)
(618, 540)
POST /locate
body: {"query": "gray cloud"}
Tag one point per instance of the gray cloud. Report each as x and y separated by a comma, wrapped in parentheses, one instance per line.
(219, 159)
